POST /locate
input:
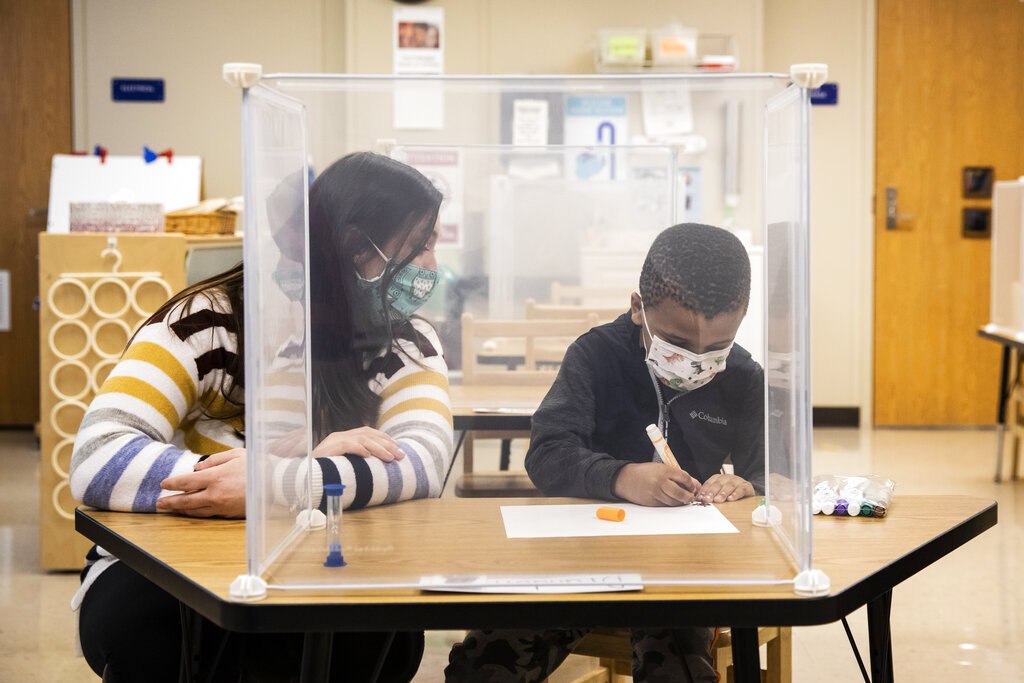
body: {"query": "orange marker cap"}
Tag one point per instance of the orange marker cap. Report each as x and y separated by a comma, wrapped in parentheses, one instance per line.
(611, 514)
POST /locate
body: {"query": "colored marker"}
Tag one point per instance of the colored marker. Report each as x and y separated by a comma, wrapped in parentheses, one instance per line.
(662, 449)
(661, 446)
(841, 506)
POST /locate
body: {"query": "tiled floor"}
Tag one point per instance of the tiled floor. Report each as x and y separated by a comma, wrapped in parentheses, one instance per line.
(961, 618)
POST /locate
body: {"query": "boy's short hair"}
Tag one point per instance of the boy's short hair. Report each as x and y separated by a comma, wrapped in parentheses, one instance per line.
(700, 267)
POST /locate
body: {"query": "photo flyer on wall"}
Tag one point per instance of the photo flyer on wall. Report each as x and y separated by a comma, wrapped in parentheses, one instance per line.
(418, 37)
(418, 44)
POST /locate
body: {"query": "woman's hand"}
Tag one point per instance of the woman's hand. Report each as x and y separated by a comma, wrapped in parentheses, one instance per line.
(725, 487)
(655, 484)
(364, 441)
(215, 489)
(292, 444)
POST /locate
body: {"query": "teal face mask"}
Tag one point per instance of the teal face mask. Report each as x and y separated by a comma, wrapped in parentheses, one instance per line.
(410, 288)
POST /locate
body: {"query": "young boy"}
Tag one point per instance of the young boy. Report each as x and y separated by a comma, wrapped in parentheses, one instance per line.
(669, 361)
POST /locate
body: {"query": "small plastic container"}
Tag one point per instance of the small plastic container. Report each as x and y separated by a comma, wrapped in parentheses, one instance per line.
(622, 46)
(674, 46)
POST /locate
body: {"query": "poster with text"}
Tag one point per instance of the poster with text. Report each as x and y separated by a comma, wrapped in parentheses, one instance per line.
(599, 122)
(443, 167)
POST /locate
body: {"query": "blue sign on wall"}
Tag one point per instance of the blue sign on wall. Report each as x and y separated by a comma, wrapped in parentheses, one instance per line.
(137, 89)
(826, 93)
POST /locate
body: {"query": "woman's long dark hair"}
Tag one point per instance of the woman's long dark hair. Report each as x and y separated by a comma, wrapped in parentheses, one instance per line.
(228, 283)
(360, 197)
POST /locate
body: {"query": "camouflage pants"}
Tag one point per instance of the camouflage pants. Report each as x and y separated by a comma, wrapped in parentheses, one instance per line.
(527, 656)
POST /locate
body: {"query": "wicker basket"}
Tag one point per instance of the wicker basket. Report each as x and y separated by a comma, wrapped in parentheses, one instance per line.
(201, 222)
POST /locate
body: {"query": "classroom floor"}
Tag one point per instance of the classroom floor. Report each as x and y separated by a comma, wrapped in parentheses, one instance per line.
(961, 618)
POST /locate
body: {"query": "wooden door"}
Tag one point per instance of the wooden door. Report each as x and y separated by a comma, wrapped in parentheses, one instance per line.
(949, 94)
(35, 123)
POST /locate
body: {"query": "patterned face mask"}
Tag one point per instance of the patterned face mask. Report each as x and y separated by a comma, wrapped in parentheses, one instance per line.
(410, 288)
(682, 369)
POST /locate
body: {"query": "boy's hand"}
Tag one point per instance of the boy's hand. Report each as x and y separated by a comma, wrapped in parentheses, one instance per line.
(722, 488)
(655, 484)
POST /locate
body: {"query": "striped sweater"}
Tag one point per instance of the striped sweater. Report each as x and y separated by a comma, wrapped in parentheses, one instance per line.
(148, 421)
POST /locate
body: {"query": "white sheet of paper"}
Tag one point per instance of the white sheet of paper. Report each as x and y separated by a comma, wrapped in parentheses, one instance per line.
(419, 106)
(570, 583)
(560, 521)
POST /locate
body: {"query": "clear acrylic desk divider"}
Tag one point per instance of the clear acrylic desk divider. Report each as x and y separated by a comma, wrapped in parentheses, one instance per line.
(610, 162)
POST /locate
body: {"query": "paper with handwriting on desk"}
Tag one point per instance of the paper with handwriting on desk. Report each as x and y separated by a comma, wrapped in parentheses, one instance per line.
(559, 521)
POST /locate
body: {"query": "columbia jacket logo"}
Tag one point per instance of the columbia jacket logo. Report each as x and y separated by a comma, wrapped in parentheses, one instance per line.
(701, 415)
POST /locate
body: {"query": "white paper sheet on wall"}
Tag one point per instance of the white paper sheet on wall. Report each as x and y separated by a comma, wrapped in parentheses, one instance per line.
(5, 301)
(175, 183)
(418, 43)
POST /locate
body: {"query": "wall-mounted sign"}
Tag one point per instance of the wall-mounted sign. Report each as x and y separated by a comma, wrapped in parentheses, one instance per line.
(825, 94)
(137, 89)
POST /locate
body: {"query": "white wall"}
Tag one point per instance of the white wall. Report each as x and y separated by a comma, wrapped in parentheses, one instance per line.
(841, 34)
(185, 42)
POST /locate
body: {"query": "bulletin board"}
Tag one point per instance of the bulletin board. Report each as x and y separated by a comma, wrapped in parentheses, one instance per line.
(95, 291)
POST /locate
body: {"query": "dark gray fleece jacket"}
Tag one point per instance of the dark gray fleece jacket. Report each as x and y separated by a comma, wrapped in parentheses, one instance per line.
(593, 421)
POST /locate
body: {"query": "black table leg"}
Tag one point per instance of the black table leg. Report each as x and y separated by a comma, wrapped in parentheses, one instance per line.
(880, 638)
(316, 658)
(191, 644)
(1004, 378)
(506, 455)
(746, 661)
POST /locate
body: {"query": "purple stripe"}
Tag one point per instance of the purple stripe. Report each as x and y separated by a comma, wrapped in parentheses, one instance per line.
(149, 489)
(102, 485)
(395, 478)
(422, 481)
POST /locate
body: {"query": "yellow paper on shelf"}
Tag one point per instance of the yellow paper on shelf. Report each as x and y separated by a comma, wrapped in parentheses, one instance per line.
(623, 46)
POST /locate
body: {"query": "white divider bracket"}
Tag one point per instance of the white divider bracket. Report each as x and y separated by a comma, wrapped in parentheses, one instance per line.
(809, 75)
(248, 588)
(812, 583)
(242, 74)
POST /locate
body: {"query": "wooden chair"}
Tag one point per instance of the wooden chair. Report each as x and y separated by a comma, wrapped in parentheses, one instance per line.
(612, 647)
(1014, 415)
(525, 350)
(601, 314)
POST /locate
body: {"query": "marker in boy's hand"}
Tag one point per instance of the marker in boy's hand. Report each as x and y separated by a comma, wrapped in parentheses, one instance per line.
(655, 484)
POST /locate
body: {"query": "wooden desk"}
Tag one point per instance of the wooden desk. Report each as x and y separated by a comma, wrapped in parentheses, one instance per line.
(502, 409)
(494, 407)
(1009, 376)
(196, 560)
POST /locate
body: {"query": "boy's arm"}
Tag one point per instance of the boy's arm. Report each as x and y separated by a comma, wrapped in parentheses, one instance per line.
(560, 460)
(748, 456)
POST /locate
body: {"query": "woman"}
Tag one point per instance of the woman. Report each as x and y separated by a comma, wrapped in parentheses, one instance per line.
(166, 431)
